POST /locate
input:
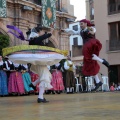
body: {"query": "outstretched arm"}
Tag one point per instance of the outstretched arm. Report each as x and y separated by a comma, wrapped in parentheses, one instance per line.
(43, 37)
(46, 35)
(72, 32)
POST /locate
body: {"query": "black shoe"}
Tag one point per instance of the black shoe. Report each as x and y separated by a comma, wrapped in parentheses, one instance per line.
(53, 92)
(58, 92)
(100, 83)
(71, 92)
(97, 86)
(31, 85)
(42, 100)
(105, 63)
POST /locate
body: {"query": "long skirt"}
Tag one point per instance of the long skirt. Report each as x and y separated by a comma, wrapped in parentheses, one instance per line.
(3, 83)
(27, 80)
(16, 84)
(91, 67)
(57, 80)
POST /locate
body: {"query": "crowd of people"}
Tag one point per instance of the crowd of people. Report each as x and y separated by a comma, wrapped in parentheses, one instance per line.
(18, 79)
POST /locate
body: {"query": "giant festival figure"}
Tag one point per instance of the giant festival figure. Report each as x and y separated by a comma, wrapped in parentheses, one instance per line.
(91, 50)
(35, 54)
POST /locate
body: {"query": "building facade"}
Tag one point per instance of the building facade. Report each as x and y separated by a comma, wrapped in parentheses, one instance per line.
(107, 22)
(76, 44)
(26, 14)
(105, 14)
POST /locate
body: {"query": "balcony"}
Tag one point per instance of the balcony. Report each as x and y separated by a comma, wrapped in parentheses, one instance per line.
(112, 45)
(114, 8)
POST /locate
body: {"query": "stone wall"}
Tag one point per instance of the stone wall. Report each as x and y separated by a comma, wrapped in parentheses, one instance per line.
(24, 19)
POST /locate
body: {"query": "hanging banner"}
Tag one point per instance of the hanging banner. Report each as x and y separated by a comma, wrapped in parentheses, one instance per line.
(48, 13)
(3, 11)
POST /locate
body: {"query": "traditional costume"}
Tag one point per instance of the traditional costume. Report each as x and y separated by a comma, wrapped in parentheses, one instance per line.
(63, 72)
(6, 65)
(3, 80)
(26, 78)
(57, 78)
(35, 39)
(70, 78)
(15, 84)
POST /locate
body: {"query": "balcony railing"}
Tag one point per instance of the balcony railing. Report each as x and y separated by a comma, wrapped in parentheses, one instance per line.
(114, 8)
(112, 45)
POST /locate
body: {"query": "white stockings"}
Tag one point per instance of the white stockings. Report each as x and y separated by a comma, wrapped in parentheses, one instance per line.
(95, 57)
(96, 78)
(36, 82)
(41, 92)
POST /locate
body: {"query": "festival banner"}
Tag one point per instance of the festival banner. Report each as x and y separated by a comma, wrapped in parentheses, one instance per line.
(3, 11)
(48, 13)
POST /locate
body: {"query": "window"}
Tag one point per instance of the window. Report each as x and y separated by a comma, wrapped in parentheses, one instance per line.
(70, 53)
(38, 2)
(119, 30)
(75, 27)
(58, 5)
(75, 41)
(113, 6)
(115, 31)
(92, 10)
(114, 36)
(112, 1)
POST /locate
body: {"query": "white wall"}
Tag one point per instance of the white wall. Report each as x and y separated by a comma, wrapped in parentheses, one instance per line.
(77, 60)
(80, 41)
